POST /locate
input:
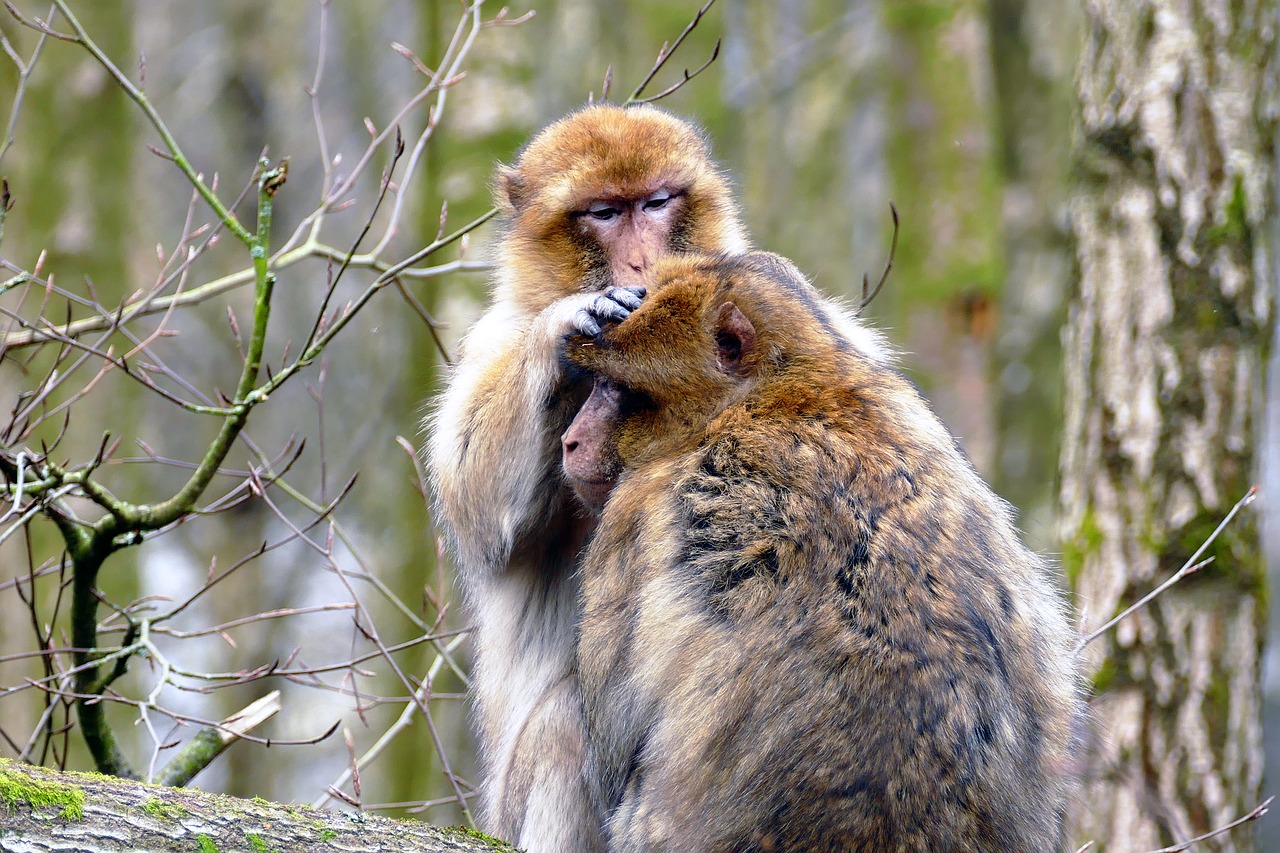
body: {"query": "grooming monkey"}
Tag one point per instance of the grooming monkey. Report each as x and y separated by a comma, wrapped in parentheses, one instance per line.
(808, 624)
(590, 204)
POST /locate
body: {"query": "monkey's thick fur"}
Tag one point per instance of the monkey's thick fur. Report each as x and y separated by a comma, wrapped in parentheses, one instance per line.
(808, 624)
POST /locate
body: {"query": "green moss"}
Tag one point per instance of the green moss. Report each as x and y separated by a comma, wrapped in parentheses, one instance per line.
(1236, 555)
(256, 842)
(158, 809)
(1106, 676)
(1217, 706)
(1077, 548)
(1151, 539)
(206, 844)
(1234, 226)
(328, 835)
(16, 788)
(477, 834)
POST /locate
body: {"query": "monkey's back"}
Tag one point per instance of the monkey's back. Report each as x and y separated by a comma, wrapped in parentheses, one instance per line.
(847, 648)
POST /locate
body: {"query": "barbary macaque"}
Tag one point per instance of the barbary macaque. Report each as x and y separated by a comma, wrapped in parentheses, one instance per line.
(807, 623)
(592, 202)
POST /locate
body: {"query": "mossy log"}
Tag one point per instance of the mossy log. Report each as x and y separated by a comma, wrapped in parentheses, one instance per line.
(44, 809)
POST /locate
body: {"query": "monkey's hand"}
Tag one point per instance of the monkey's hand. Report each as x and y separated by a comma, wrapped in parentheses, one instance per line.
(612, 306)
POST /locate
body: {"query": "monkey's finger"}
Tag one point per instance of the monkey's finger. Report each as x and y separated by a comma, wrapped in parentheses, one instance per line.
(627, 297)
(585, 323)
(605, 308)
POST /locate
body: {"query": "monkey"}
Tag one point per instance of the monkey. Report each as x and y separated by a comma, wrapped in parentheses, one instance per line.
(807, 623)
(590, 204)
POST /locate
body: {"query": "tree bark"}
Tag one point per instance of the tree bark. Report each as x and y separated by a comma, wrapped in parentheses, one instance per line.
(48, 810)
(1165, 349)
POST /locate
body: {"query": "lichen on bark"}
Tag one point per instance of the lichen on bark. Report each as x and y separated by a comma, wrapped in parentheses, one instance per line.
(1164, 355)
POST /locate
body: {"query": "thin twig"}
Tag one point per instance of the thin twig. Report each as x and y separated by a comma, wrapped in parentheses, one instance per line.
(1257, 812)
(1188, 568)
(667, 52)
(687, 76)
(24, 74)
(893, 252)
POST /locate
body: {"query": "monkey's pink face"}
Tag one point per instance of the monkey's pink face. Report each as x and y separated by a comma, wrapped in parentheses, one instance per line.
(634, 233)
(588, 451)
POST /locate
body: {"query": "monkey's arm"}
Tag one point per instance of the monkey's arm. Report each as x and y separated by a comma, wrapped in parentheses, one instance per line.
(545, 803)
(492, 444)
(494, 447)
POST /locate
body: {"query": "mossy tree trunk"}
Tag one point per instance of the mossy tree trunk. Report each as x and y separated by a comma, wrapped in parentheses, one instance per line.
(1164, 354)
(48, 810)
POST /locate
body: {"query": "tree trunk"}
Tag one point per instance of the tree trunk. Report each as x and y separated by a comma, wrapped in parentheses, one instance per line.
(48, 810)
(1164, 355)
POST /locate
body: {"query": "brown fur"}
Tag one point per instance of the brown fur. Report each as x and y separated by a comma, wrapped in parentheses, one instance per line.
(808, 624)
(513, 524)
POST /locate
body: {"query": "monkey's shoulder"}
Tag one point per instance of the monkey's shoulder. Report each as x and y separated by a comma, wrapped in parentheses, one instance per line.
(758, 509)
(778, 476)
(871, 526)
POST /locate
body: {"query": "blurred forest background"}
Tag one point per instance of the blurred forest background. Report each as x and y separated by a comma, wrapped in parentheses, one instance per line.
(823, 111)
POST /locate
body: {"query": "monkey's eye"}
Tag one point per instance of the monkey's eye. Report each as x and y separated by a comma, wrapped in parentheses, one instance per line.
(602, 212)
(657, 201)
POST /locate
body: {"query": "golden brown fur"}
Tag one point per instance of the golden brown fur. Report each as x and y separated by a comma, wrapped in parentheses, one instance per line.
(514, 526)
(808, 624)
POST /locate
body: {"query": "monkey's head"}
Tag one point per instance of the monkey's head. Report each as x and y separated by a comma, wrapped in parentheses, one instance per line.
(600, 195)
(718, 338)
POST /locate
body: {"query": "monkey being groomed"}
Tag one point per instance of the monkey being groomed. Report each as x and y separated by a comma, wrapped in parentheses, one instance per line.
(807, 623)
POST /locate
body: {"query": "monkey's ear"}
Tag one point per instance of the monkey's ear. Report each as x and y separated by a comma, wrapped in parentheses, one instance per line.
(511, 190)
(735, 339)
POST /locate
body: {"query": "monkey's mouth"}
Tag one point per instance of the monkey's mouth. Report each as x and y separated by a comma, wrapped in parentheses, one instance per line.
(593, 493)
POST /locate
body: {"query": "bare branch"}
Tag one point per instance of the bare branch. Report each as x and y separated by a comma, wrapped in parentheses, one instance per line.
(687, 76)
(1257, 812)
(1188, 568)
(893, 252)
(24, 75)
(667, 52)
(211, 741)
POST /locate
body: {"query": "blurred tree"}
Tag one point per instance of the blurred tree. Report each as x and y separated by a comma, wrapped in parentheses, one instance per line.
(946, 181)
(1034, 48)
(74, 190)
(1173, 218)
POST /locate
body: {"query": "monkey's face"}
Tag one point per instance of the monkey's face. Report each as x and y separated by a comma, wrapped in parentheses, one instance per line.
(600, 196)
(589, 452)
(633, 233)
(619, 429)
